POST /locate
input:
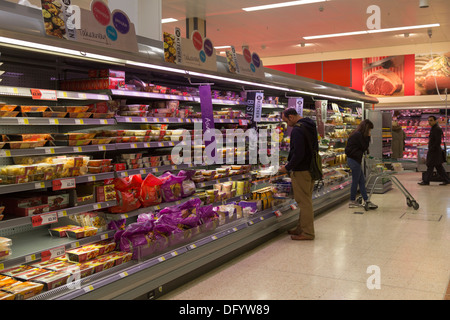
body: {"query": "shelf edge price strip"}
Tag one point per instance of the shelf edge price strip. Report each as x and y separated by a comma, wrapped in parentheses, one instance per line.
(44, 219)
(53, 253)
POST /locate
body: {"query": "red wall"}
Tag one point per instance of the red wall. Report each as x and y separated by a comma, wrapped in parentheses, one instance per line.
(346, 73)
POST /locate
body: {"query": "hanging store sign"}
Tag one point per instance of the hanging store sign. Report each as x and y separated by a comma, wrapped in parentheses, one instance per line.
(208, 119)
(247, 63)
(195, 52)
(99, 26)
(297, 104)
(321, 116)
(254, 106)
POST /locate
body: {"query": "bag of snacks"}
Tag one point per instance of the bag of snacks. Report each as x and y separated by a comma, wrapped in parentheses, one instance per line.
(171, 187)
(188, 186)
(150, 191)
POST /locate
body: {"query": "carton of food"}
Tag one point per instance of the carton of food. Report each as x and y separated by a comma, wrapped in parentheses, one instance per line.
(24, 290)
(7, 296)
(61, 231)
(53, 279)
(31, 274)
(82, 254)
(81, 232)
(16, 270)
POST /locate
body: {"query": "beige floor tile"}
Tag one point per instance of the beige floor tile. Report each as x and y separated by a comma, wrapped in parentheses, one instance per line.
(413, 256)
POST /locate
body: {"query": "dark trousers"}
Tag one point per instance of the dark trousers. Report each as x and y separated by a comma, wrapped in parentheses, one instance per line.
(440, 171)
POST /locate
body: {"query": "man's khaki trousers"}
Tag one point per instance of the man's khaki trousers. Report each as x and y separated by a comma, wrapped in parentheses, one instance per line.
(303, 187)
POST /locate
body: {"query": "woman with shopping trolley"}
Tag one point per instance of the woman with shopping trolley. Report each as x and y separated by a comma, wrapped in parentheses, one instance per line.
(357, 145)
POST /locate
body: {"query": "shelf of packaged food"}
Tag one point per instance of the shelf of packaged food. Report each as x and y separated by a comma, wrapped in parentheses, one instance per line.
(266, 180)
(8, 91)
(28, 246)
(222, 180)
(61, 213)
(145, 145)
(340, 185)
(141, 120)
(38, 185)
(145, 171)
(55, 150)
(220, 234)
(18, 121)
(163, 205)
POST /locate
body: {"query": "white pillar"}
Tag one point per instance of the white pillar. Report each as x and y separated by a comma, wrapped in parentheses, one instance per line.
(145, 14)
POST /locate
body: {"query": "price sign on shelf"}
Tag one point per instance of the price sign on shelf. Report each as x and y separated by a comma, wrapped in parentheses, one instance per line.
(44, 219)
(63, 184)
(53, 253)
(39, 94)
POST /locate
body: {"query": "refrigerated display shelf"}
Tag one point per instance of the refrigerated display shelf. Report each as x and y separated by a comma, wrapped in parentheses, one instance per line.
(56, 150)
(30, 186)
(26, 221)
(135, 267)
(9, 91)
(28, 246)
(19, 121)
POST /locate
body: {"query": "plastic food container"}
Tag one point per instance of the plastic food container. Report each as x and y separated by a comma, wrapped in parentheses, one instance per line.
(99, 163)
(16, 270)
(75, 136)
(70, 109)
(133, 113)
(31, 274)
(82, 232)
(52, 114)
(9, 114)
(29, 137)
(61, 231)
(134, 107)
(26, 145)
(101, 141)
(53, 280)
(82, 254)
(33, 109)
(24, 290)
(103, 115)
(8, 108)
(80, 115)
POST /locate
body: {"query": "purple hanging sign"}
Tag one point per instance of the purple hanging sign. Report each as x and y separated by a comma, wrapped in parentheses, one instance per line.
(207, 115)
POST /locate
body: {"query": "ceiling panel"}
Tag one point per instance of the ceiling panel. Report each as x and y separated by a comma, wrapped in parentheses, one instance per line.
(278, 32)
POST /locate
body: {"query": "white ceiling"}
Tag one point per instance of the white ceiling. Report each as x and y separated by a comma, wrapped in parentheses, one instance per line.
(278, 32)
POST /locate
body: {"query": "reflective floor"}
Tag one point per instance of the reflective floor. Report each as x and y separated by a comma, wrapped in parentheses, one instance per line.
(394, 252)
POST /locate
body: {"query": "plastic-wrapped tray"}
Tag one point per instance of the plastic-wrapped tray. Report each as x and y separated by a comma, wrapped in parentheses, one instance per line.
(71, 109)
(80, 115)
(9, 114)
(24, 290)
(29, 137)
(74, 136)
(33, 109)
(72, 143)
(26, 144)
(8, 108)
(53, 279)
(103, 115)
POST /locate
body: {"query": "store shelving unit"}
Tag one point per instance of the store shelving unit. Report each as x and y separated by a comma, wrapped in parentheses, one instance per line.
(152, 275)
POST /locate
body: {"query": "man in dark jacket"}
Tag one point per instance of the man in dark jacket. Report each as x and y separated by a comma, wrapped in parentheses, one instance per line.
(303, 137)
(434, 155)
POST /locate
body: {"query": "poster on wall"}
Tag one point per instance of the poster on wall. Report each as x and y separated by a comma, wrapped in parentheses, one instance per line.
(432, 73)
(384, 76)
(196, 52)
(99, 26)
(247, 63)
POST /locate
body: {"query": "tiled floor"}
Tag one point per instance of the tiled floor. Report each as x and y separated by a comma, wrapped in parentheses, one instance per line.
(410, 255)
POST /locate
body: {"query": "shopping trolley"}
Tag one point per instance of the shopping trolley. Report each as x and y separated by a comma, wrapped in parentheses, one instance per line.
(282, 187)
(378, 169)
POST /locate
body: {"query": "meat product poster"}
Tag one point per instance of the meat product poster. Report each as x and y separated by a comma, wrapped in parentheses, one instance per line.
(384, 76)
(432, 73)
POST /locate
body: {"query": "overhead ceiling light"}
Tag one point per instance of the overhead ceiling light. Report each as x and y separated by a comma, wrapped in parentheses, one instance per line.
(167, 20)
(281, 5)
(222, 47)
(333, 35)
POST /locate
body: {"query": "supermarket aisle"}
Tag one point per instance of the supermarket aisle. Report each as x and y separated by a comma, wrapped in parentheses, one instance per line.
(410, 248)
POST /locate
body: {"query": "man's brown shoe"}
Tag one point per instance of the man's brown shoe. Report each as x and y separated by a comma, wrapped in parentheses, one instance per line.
(301, 237)
(294, 232)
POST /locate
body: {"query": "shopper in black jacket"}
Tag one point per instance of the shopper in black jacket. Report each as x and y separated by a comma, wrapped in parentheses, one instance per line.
(357, 145)
(434, 155)
(303, 137)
